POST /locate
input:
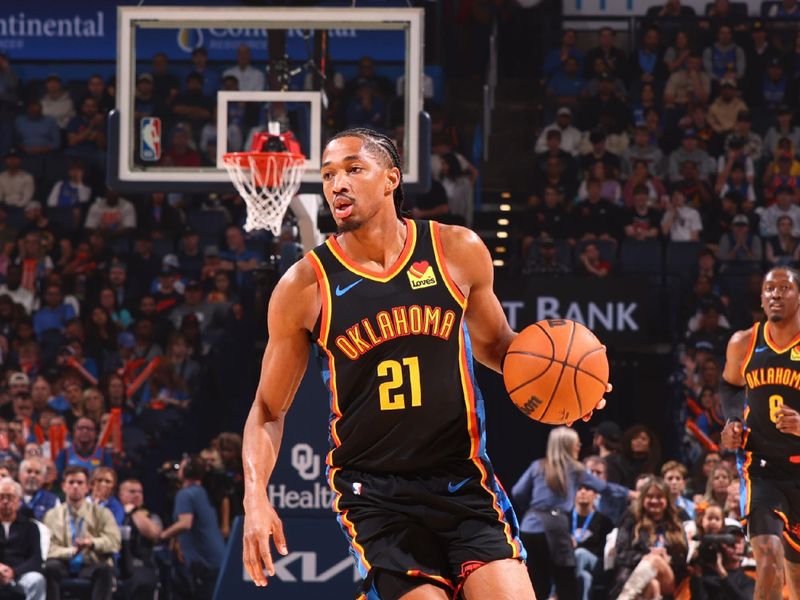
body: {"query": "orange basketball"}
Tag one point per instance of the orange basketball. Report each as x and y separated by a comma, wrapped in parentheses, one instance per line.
(556, 371)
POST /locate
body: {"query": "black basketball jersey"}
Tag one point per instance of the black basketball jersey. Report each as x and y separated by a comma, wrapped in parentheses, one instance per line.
(396, 359)
(773, 379)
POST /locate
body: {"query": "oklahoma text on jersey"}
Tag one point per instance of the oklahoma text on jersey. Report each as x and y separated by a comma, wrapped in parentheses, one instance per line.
(773, 376)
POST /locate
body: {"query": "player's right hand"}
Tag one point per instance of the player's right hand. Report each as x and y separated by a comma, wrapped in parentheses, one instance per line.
(731, 437)
(259, 524)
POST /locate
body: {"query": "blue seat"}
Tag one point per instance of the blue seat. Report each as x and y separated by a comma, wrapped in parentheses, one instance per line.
(63, 217)
(641, 257)
(162, 247)
(209, 224)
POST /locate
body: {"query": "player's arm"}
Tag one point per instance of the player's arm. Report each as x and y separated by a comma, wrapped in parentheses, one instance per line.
(291, 315)
(470, 265)
(731, 389)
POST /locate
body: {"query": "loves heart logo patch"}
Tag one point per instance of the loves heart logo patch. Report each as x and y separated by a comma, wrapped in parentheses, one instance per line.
(421, 275)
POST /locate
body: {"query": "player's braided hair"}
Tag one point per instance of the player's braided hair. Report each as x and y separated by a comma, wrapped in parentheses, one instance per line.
(794, 274)
(380, 144)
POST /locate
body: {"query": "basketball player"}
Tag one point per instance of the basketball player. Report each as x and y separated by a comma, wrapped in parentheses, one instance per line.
(764, 363)
(397, 308)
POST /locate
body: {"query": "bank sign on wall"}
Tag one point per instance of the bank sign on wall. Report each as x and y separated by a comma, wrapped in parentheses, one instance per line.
(636, 7)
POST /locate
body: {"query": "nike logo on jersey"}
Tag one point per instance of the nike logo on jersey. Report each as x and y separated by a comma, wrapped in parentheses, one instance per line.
(341, 291)
(760, 349)
(454, 488)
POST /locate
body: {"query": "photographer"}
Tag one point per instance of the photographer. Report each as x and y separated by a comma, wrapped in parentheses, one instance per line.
(716, 566)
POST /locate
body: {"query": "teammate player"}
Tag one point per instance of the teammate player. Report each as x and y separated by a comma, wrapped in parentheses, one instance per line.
(764, 363)
(389, 302)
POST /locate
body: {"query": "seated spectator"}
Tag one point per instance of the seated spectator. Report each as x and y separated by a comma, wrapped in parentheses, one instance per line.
(193, 106)
(97, 89)
(783, 129)
(570, 136)
(199, 538)
(36, 500)
(21, 549)
(94, 406)
(86, 136)
(725, 109)
(670, 9)
(735, 173)
(696, 120)
(783, 249)
(647, 63)
(674, 475)
(16, 185)
(71, 191)
(740, 245)
(137, 563)
(595, 217)
(222, 293)
(84, 451)
(681, 223)
(195, 304)
(710, 421)
(36, 133)
(677, 55)
(782, 172)
(591, 263)
(710, 337)
(190, 255)
(689, 152)
(180, 152)
(554, 176)
(688, 86)
(211, 79)
(567, 87)
(111, 215)
(752, 144)
(641, 450)
(776, 87)
(641, 177)
(644, 150)
(651, 546)
(648, 101)
(600, 153)
(102, 483)
(83, 539)
(144, 100)
(56, 102)
(605, 102)
(609, 187)
(717, 486)
(612, 57)
(641, 221)
(546, 260)
(725, 60)
(249, 77)
(589, 530)
(366, 109)
(54, 314)
(556, 58)
(456, 175)
(551, 217)
(13, 289)
(785, 206)
(156, 216)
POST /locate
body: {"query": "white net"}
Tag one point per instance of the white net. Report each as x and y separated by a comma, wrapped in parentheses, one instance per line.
(267, 181)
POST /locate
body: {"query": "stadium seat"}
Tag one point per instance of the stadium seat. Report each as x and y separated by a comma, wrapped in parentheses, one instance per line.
(209, 224)
(63, 217)
(15, 217)
(641, 257)
(260, 246)
(163, 246)
(681, 258)
(55, 167)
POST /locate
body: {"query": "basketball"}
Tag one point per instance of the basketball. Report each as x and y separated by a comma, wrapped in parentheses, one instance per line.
(556, 371)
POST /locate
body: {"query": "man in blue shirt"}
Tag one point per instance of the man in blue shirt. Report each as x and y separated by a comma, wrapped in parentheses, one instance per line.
(54, 314)
(238, 259)
(197, 528)
(35, 500)
(37, 134)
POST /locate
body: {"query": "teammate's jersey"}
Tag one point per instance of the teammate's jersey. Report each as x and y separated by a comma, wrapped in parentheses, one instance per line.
(773, 379)
(396, 360)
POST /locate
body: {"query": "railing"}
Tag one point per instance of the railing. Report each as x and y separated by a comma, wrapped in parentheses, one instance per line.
(489, 89)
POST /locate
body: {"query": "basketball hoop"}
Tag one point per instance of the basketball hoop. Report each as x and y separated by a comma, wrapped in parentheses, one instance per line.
(267, 177)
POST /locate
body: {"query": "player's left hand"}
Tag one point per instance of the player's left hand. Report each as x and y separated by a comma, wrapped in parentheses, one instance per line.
(599, 406)
(788, 420)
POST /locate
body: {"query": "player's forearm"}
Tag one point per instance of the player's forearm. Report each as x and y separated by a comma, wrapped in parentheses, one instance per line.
(260, 446)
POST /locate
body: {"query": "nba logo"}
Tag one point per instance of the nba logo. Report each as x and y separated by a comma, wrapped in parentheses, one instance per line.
(150, 139)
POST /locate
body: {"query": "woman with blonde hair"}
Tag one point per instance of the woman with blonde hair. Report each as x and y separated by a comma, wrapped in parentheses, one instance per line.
(651, 548)
(546, 491)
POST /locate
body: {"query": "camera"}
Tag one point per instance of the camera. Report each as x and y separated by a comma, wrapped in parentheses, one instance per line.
(710, 546)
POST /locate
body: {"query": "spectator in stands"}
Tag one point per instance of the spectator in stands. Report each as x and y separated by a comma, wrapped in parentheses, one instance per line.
(735, 172)
(752, 143)
(723, 112)
(195, 304)
(783, 171)
(591, 263)
(551, 217)
(641, 450)
(112, 215)
(94, 406)
(606, 440)
(647, 63)
(36, 133)
(717, 486)
(641, 177)
(670, 9)
(156, 216)
(546, 260)
(724, 578)
(641, 222)
(71, 191)
(250, 79)
(86, 136)
(674, 475)
(547, 492)
(190, 254)
(458, 178)
(198, 533)
(16, 185)
(9, 82)
(759, 52)
(600, 153)
(83, 539)
(184, 366)
(595, 217)
(54, 314)
(180, 152)
(166, 85)
(366, 108)
(681, 223)
(785, 206)
(697, 121)
(143, 528)
(36, 500)
(711, 336)
(785, 9)
(21, 550)
(740, 245)
(689, 152)
(193, 106)
(211, 82)
(688, 86)
(613, 58)
(647, 101)
(725, 60)
(567, 87)
(651, 547)
(783, 129)
(13, 288)
(103, 482)
(556, 58)
(84, 451)
(56, 102)
(570, 136)
(589, 530)
(96, 88)
(782, 249)
(605, 103)
(677, 56)
(599, 72)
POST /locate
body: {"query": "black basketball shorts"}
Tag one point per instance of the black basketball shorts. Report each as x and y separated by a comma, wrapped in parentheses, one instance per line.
(770, 501)
(407, 531)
